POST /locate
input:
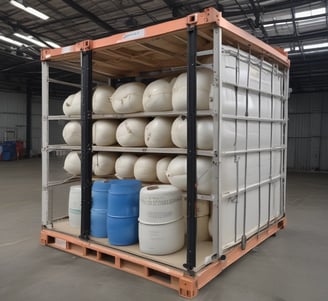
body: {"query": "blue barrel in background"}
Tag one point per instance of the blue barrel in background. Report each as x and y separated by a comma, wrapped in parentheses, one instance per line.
(9, 150)
(123, 212)
(98, 214)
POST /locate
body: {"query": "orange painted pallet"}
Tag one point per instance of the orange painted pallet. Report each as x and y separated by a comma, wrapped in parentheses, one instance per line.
(187, 286)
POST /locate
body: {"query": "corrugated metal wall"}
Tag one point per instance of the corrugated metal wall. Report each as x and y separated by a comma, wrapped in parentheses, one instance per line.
(308, 132)
(13, 120)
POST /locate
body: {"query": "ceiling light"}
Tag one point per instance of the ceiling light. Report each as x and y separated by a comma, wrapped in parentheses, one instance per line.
(278, 24)
(30, 39)
(52, 44)
(310, 13)
(11, 41)
(315, 46)
(292, 49)
(29, 10)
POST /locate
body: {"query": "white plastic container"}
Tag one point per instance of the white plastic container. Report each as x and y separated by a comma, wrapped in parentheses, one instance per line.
(179, 90)
(72, 163)
(103, 163)
(158, 132)
(145, 168)
(124, 166)
(161, 239)
(101, 103)
(72, 104)
(161, 169)
(72, 133)
(177, 173)
(128, 98)
(157, 96)
(204, 132)
(131, 132)
(160, 204)
(74, 206)
(104, 132)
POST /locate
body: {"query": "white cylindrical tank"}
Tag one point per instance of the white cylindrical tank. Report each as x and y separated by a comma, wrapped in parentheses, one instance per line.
(204, 132)
(104, 132)
(157, 96)
(72, 163)
(128, 98)
(179, 91)
(74, 206)
(161, 169)
(103, 163)
(145, 168)
(72, 133)
(158, 132)
(130, 132)
(101, 103)
(177, 173)
(124, 166)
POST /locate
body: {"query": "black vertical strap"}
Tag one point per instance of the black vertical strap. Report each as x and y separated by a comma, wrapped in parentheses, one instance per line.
(192, 151)
(86, 147)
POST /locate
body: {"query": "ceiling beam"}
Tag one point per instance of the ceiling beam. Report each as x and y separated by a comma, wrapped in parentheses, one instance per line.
(90, 16)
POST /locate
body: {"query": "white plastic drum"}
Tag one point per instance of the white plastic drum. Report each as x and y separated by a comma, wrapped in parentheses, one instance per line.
(131, 132)
(74, 206)
(160, 204)
(158, 132)
(161, 239)
(128, 98)
(124, 166)
(161, 169)
(72, 133)
(101, 103)
(72, 163)
(204, 132)
(104, 132)
(103, 164)
(179, 90)
(145, 168)
(177, 173)
(157, 96)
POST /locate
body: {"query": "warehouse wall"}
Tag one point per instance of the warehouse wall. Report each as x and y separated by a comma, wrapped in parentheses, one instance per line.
(13, 120)
(308, 132)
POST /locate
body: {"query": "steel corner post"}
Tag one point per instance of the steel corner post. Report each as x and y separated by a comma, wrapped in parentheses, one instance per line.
(86, 145)
(192, 151)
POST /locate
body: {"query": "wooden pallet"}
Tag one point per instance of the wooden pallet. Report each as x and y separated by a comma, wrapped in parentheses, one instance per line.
(187, 286)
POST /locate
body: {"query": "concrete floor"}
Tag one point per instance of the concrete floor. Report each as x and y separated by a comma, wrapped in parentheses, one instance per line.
(289, 267)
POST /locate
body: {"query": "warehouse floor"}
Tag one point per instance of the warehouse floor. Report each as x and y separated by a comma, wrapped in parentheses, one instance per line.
(291, 266)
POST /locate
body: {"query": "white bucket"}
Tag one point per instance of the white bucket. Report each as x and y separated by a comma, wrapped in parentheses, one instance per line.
(179, 90)
(124, 166)
(161, 239)
(72, 133)
(103, 163)
(177, 173)
(160, 204)
(145, 168)
(104, 132)
(72, 163)
(131, 132)
(74, 206)
(101, 100)
(158, 132)
(157, 96)
(128, 98)
(161, 168)
(204, 132)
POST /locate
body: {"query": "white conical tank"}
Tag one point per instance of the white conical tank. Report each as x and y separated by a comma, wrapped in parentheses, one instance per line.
(128, 98)
(158, 132)
(72, 163)
(101, 103)
(72, 133)
(145, 168)
(131, 132)
(72, 104)
(104, 132)
(124, 166)
(161, 169)
(179, 91)
(103, 163)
